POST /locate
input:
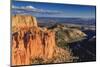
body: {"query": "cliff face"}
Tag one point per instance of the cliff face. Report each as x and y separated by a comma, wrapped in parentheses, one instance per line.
(28, 44)
(20, 22)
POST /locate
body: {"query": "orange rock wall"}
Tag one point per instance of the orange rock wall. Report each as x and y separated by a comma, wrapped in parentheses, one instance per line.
(31, 43)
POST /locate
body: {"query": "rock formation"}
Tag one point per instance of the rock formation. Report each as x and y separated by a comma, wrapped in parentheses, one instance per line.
(68, 35)
(30, 41)
(20, 22)
(32, 44)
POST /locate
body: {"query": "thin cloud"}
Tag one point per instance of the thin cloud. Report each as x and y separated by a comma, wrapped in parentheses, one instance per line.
(23, 7)
(33, 9)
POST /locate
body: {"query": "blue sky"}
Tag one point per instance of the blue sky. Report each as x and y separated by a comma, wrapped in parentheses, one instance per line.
(39, 9)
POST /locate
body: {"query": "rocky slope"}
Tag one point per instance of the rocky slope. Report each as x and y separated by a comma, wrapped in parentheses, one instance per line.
(66, 35)
(34, 45)
(31, 42)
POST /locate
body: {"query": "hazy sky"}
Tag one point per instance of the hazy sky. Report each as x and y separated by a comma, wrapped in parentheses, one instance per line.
(39, 9)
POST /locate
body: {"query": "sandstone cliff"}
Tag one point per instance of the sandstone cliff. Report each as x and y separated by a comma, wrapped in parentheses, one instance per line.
(23, 22)
(29, 41)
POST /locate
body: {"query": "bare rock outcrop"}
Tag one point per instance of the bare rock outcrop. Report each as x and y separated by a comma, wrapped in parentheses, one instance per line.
(30, 41)
(20, 22)
(32, 44)
(68, 35)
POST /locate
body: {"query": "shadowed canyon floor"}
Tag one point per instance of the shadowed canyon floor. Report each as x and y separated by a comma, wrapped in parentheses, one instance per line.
(32, 44)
